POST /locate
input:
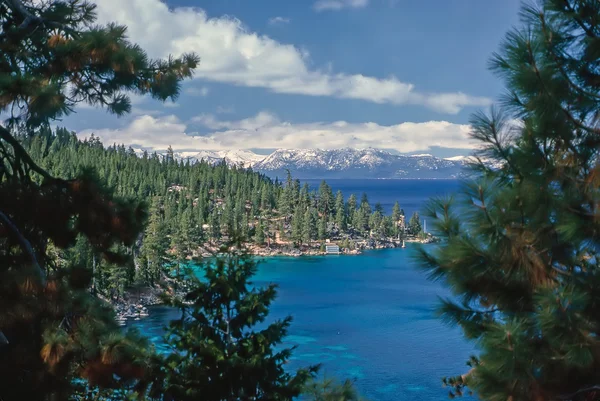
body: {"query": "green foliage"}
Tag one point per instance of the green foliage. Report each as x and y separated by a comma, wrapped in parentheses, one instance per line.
(297, 226)
(414, 224)
(259, 235)
(326, 205)
(331, 390)
(322, 228)
(309, 228)
(153, 255)
(341, 214)
(58, 334)
(520, 241)
(217, 352)
(46, 46)
(194, 207)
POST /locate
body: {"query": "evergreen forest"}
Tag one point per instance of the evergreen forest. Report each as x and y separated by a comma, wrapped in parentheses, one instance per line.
(82, 222)
(201, 206)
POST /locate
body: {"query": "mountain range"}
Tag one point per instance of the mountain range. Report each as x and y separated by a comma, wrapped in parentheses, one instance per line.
(337, 163)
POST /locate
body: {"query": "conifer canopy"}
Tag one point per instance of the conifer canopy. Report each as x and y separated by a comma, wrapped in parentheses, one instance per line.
(521, 240)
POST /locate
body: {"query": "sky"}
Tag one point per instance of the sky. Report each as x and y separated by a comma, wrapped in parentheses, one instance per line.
(401, 75)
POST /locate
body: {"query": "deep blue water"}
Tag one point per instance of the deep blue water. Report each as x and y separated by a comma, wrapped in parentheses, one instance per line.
(379, 302)
(411, 194)
(383, 309)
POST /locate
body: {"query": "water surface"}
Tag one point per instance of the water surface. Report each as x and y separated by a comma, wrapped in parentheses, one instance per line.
(368, 317)
(411, 194)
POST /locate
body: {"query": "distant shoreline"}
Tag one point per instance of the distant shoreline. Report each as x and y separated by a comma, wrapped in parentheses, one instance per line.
(315, 249)
(390, 179)
(134, 305)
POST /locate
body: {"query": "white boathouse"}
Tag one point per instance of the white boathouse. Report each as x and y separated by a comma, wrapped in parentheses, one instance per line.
(332, 250)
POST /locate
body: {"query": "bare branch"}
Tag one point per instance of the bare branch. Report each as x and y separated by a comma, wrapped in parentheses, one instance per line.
(20, 152)
(571, 396)
(25, 245)
(17, 7)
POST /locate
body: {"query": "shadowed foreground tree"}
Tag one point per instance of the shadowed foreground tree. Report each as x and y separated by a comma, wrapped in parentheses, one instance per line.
(331, 390)
(52, 330)
(216, 353)
(521, 243)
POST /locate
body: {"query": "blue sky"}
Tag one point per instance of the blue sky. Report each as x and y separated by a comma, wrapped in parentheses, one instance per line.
(402, 75)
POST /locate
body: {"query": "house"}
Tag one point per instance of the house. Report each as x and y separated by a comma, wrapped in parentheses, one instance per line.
(332, 250)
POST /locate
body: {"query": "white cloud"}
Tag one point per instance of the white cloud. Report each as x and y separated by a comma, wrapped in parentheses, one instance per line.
(336, 5)
(194, 91)
(266, 131)
(139, 111)
(279, 21)
(233, 54)
(262, 119)
(170, 104)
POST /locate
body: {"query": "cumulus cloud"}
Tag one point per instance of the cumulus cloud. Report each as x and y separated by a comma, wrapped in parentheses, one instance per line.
(336, 5)
(279, 21)
(266, 131)
(194, 91)
(233, 54)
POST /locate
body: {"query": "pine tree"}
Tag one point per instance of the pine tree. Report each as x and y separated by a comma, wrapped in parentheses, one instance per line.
(351, 207)
(287, 202)
(259, 235)
(217, 353)
(519, 246)
(309, 228)
(375, 221)
(414, 224)
(297, 225)
(340, 211)
(330, 390)
(244, 228)
(215, 223)
(326, 200)
(154, 250)
(52, 57)
(396, 216)
(364, 204)
(322, 228)
(360, 221)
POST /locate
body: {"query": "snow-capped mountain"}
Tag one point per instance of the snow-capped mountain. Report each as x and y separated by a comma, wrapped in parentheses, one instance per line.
(337, 163)
(494, 164)
(244, 158)
(356, 163)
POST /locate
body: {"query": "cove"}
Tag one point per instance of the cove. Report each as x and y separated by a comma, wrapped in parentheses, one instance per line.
(368, 317)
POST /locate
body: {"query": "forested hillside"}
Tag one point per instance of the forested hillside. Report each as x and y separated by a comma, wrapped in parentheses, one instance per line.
(194, 208)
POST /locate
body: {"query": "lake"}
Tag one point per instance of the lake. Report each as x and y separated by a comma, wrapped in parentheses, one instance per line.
(411, 194)
(367, 317)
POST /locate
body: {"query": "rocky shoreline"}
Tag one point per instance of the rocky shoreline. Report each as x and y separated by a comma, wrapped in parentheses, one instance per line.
(134, 305)
(316, 250)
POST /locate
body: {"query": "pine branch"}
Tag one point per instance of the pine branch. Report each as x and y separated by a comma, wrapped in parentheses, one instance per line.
(568, 397)
(17, 7)
(588, 31)
(22, 153)
(25, 244)
(558, 104)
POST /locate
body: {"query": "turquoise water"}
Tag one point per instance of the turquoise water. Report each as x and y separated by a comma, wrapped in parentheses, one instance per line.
(368, 317)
